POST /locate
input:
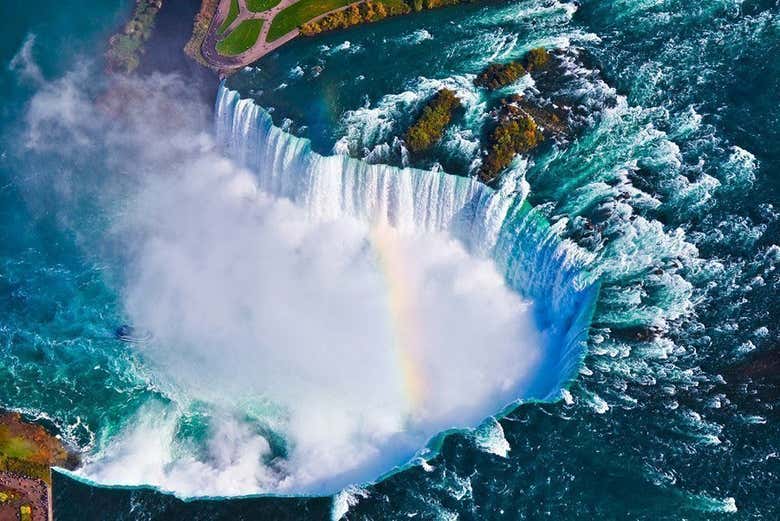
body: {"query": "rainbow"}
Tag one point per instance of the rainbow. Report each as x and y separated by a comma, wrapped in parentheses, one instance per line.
(405, 314)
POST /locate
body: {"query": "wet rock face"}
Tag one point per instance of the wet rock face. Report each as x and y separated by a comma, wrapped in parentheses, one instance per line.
(764, 365)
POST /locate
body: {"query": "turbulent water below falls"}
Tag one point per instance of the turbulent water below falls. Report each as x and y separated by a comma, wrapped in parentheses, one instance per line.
(341, 327)
(666, 197)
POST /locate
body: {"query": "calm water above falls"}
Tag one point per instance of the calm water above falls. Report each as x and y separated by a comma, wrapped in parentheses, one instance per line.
(668, 191)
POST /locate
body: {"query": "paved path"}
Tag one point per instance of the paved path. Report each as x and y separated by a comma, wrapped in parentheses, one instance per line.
(32, 492)
(261, 46)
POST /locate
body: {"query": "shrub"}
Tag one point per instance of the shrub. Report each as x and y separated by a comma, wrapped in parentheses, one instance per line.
(364, 12)
(125, 49)
(498, 75)
(516, 133)
(200, 28)
(370, 11)
(434, 119)
(537, 59)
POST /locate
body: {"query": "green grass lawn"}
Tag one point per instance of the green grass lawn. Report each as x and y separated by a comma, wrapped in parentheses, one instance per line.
(301, 13)
(15, 446)
(232, 14)
(241, 39)
(261, 5)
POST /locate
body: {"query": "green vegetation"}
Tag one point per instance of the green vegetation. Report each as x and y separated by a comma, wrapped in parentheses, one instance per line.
(28, 449)
(15, 446)
(516, 133)
(537, 59)
(231, 16)
(430, 126)
(241, 39)
(259, 6)
(419, 5)
(498, 75)
(7, 495)
(300, 13)
(364, 12)
(125, 48)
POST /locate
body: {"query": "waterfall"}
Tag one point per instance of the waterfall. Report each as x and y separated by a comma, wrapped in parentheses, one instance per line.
(497, 223)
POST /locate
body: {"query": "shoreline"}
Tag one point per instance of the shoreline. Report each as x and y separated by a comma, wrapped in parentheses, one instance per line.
(28, 451)
(227, 64)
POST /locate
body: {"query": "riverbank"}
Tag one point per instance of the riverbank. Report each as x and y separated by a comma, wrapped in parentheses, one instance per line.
(277, 22)
(27, 453)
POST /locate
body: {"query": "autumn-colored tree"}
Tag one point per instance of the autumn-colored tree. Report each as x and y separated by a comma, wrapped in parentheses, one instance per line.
(516, 133)
(498, 75)
(433, 121)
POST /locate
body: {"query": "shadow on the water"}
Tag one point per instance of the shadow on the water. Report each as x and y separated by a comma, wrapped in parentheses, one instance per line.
(165, 49)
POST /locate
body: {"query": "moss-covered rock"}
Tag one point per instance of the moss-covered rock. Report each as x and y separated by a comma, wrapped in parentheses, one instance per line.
(498, 75)
(537, 59)
(433, 121)
(515, 133)
(551, 120)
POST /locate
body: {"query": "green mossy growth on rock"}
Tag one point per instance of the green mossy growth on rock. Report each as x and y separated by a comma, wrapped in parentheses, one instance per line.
(552, 121)
(537, 59)
(516, 133)
(433, 121)
(498, 75)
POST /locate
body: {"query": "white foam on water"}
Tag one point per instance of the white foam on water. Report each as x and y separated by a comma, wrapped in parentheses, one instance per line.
(315, 319)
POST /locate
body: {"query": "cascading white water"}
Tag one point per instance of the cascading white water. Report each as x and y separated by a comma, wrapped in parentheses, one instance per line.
(316, 320)
(497, 223)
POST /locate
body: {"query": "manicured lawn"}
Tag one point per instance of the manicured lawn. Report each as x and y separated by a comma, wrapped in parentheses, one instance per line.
(301, 13)
(241, 39)
(232, 14)
(261, 5)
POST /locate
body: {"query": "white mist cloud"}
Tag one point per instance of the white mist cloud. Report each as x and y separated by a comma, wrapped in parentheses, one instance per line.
(350, 343)
(23, 63)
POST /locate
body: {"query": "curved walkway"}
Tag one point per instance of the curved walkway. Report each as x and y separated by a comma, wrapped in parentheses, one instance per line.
(261, 47)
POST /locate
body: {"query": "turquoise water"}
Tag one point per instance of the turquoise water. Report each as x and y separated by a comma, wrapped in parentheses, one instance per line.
(668, 192)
